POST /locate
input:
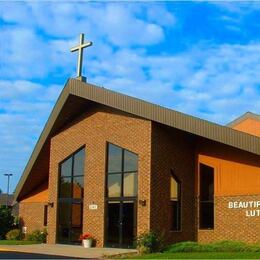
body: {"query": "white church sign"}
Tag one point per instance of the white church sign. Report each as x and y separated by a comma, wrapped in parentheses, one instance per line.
(252, 208)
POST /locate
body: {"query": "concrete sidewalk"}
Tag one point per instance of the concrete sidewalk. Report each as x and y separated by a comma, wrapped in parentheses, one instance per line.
(66, 250)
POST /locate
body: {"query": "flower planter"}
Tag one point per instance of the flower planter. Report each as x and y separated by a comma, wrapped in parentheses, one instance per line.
(87, 243)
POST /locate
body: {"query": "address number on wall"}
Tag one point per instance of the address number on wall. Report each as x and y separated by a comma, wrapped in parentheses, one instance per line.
(93, 206)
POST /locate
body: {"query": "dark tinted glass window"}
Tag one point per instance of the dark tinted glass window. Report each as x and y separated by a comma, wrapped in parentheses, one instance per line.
(175, 203)
(122, 172)
(76, 215)
(72, 180)
(66, 167)
(114, 185)
(70, 200)
(64, 213)
(45, 217)
(206, 183)
(206, 215)
(78, 165)
(130, 162)
(206, 206)
(78, 187)
(114, 158)
(130, 184)
(65, 187)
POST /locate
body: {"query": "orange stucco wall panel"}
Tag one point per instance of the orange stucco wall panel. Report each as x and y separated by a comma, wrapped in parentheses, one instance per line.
(249, 125)
(233, 177)
(40, 194)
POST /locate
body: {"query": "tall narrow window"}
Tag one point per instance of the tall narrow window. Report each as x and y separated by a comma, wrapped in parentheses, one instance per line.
(70, 199)
(175, 203)
(121, 172)
(45, 215)
(206, 197)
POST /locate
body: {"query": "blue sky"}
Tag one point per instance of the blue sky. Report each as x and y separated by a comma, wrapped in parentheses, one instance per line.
(196, 57)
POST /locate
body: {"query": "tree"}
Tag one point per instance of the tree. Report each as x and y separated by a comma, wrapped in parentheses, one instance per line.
(6, 221)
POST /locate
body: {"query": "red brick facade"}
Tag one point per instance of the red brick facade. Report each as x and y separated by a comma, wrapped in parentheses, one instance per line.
(32, 215)
(94, 130)
(172, 150)
(233, 224)
(160, 149)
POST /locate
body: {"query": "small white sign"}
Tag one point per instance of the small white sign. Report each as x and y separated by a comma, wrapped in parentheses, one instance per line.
(24, 230)
(92, 206)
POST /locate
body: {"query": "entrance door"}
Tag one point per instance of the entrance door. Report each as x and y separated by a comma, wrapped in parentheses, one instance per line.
(121, 196)
(69, 222)
(121, 223)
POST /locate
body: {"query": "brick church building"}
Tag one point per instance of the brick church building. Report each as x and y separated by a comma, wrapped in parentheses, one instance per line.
(117, 166)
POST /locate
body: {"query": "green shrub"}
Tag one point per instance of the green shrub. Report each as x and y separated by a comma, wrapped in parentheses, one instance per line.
(149, 242)
(187, 246)
(14, 234)
(37, 235)
(222, 246)
(6, 221)
(17, 221)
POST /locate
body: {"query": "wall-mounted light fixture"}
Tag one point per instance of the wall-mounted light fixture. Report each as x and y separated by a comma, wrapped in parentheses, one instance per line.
(51, 204)
(142, 202)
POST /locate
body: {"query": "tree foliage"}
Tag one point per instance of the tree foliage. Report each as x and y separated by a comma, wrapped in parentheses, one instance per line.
(6, 221)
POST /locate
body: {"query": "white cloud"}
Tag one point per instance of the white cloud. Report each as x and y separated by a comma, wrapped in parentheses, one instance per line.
(203, 81)
(24, 108)
(40, 48)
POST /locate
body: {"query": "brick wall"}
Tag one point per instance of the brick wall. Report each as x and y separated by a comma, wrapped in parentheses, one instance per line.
(31, 208)
(233, 224)
(94, 129)
(172, 149)
(32, 215)
(236, 177)
(160, 149)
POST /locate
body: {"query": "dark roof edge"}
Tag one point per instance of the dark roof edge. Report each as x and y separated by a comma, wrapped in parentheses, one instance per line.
(172, 118)
(242, 118)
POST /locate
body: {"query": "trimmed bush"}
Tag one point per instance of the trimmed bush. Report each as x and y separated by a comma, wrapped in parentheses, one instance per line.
(37, 236)
(14, 234)
(149, 242)
(222, 246)
(188, 246)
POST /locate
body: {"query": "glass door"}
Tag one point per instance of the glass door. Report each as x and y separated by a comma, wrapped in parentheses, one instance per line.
(128, 219)
(69, 222)
(113, 223)
(121, 196)
(121, 223)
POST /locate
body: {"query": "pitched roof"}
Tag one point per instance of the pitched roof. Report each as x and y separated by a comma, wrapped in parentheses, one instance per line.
(87, 92)
(244, 117)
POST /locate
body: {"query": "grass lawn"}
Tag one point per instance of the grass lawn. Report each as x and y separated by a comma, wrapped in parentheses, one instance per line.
(194, 250)
(200, 255)
(17, 242)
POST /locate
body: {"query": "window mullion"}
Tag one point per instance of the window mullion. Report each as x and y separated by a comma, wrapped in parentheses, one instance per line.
(72, 167)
